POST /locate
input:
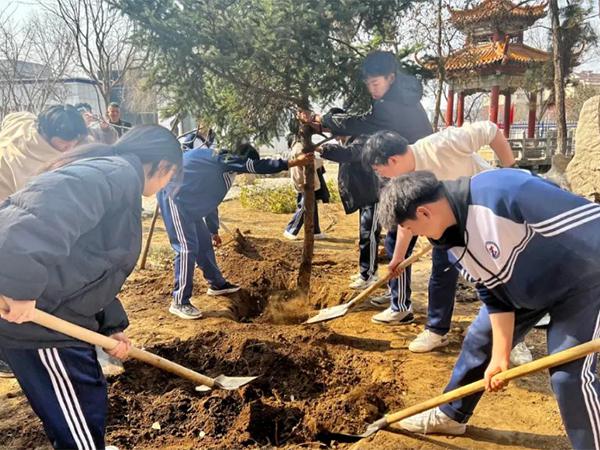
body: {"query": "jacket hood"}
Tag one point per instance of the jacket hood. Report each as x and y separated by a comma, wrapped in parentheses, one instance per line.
(458, 193)
(406, 89)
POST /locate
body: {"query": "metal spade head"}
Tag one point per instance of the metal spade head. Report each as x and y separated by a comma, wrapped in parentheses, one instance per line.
(371, 430)
(227, 383)
(329, 313)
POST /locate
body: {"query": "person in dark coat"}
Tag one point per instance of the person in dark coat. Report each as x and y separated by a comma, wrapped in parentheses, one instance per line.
(359, 191)
(69, 240)
(395, 106)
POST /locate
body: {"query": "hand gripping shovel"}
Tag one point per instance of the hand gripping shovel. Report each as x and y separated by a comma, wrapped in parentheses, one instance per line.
(91, 337)
(556, 359)
(341, 310)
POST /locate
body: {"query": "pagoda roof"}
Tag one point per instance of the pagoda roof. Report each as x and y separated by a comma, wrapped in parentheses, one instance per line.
(490, 54)
(496, 10)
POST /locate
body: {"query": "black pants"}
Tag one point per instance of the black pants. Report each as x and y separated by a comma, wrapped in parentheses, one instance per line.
(370, 233)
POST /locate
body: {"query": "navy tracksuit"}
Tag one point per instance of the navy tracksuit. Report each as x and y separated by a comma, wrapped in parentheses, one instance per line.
(442, 287)
(189, 210)
(86, 217)
(530, 257)
(67, 390)
(368, 243)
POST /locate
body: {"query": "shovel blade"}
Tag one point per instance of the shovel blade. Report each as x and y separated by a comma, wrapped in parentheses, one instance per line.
(371, 430)
(232, 383)
(329, 313)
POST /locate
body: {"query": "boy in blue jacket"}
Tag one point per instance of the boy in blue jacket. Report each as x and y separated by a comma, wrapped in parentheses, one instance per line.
(532, 249)
(189, 211)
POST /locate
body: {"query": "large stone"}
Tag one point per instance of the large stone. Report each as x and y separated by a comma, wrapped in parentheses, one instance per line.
(583, 172)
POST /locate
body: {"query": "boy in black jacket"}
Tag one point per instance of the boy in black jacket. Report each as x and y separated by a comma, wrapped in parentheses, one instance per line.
(395, 106)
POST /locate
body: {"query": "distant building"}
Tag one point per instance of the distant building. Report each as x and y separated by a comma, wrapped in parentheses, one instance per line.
(30, 86)
(587, 78)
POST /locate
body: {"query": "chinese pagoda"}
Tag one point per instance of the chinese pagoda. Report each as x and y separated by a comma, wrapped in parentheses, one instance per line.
(494, 58)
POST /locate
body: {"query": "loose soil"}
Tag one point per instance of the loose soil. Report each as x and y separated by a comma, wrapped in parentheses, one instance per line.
(338, 376)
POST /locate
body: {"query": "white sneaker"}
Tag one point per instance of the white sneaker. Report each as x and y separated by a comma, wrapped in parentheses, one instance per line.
(320, 236)
(433, 421)
(426, 341)
(356, 276)
(111, 447)
(189, 312)
(381, 300)
(389, 317)
(360, 283)
(520, 355)
(290, 236)
(543, 322)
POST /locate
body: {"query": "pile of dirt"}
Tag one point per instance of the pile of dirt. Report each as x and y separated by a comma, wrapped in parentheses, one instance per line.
(309, 383)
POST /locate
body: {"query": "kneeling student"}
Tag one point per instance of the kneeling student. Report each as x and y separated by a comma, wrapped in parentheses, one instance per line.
(532, 248)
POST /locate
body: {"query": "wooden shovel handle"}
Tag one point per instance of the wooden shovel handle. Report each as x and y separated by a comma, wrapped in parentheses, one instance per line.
(403, 265)
(83, 334)
(546, 362)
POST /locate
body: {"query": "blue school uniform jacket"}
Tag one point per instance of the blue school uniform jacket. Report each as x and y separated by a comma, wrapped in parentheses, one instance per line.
(68, 240)
(207, 176)
(525, 242)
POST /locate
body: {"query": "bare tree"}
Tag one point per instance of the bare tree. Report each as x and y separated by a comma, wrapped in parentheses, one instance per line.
(101, 35)
(559, 88)
(34, 57)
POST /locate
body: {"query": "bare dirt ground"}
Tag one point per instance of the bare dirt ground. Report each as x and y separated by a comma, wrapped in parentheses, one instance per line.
(337, 376)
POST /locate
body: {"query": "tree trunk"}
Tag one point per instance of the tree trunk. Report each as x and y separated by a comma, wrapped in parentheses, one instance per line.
(305, 270)
(559, 88)
(441, 75)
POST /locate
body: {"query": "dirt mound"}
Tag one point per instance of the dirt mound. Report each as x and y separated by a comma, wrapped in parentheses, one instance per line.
(309, 382)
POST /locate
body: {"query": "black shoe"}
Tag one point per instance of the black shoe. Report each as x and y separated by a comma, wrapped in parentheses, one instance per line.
(5, 370)
(226, 288)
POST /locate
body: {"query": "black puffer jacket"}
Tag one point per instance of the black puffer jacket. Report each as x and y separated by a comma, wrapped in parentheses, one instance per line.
(399, 110)
(358, 185)
(69, 240)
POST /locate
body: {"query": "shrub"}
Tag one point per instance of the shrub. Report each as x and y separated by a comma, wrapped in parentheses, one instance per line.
(278, 199)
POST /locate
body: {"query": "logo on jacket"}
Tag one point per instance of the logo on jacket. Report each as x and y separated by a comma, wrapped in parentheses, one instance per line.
(492, 249)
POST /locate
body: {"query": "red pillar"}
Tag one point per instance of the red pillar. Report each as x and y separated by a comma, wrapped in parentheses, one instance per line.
(450, 108)
(532, 115)
(495, 95)
(460, 110)
(507, 114)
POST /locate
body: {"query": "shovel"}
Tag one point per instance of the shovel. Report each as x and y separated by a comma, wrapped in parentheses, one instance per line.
(206, 383)
(341, 310)
(546, 362)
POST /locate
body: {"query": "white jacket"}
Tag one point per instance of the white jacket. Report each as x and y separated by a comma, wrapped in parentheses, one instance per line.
(452, 153)
(23, 152)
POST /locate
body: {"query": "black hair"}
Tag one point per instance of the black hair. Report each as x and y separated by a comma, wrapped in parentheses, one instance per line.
(83, 107)
(61, 121)
(381, 146)
(247, 151)
(114, 105)
(401, 197)
(150, 143)
(379, 63)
